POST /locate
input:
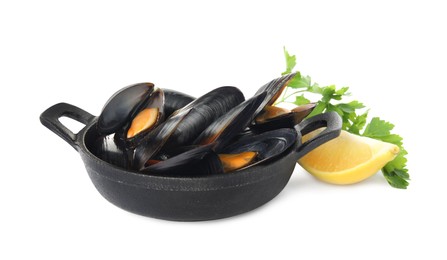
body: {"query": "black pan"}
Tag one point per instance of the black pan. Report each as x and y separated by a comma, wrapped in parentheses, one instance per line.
(182, 198)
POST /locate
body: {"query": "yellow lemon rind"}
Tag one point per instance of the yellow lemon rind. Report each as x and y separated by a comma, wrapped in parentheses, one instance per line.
(361, 171)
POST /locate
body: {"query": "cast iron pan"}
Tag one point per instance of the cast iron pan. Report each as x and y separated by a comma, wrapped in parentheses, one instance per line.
(183, 198)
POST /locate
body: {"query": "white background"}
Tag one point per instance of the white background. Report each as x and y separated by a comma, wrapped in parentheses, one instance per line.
(391, 53)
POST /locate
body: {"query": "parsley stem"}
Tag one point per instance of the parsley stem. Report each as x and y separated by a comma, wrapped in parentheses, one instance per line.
(284, 98)
(283, 95)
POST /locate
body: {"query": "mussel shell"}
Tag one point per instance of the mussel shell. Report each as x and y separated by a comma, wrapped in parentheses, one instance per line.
(165, 154)
(274, 89)
(105, 148)
(156, 100)
(244, 133)
(207, 109)
(122, 106)
(225, 128)
(288, 120)
(196, 162)
(282, 121)
(156, 139)
(175, 100)
(268, 145)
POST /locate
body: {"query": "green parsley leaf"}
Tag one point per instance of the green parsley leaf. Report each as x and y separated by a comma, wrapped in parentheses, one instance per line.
(398, 163)
(355, 104)
(346, 108)
(290, 62)
(319, 108)
(315, 88)
(378, 128)
(395, 180)
(299, 82)
(354, 121)
(395, 171)
(342, 91)
(358, 122)
(301, 100)
(330, 107)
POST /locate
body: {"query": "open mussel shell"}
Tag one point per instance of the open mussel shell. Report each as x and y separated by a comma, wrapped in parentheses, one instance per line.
(206, 109)
(136, 130)
(175, 100)
(286, 120)
(273, 90)
(268, 145)
(122, 106)
(222, 130)
(198, 161)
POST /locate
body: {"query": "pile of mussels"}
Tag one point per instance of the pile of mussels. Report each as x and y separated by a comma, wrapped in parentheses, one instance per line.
(165, 132)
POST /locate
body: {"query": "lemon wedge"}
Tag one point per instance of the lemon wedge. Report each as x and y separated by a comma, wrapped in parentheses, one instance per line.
(348, 158)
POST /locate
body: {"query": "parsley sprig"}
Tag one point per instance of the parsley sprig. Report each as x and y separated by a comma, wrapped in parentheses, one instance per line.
(354, 115)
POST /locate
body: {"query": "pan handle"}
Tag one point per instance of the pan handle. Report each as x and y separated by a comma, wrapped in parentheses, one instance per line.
(330, 120)
(50, 119)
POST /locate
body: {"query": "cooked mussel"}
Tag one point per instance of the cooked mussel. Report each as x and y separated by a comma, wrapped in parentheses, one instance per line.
(222, 130)
(122, 106)
(273, 90)
(266, 146)
(131, 113)
(207, 109)
(232, 162)
(271, 117)
(146, 119)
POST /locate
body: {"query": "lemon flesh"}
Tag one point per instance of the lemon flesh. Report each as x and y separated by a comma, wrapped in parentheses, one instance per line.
(348, 158)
